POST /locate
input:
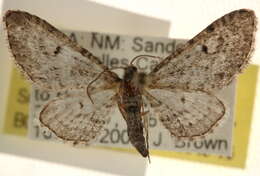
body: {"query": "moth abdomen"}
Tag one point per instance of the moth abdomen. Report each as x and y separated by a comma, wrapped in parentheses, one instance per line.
(135, 134)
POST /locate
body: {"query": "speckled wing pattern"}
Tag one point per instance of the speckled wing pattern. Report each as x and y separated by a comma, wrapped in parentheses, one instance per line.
(48, 57)
(73, 117)
(211, 59)
(53, 61)
(187, 114)
(204, 65)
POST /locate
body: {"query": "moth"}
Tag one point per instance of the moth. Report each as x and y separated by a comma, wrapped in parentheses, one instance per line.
(180, 90)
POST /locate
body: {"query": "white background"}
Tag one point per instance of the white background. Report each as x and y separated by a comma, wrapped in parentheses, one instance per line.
(178, 19)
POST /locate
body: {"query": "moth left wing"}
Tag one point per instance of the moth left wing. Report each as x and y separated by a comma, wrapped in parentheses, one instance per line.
(212, 58)
(72, 117)
(48, 57)
(185, 114)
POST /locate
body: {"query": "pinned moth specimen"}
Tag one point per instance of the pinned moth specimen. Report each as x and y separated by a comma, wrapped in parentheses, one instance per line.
(180, 90)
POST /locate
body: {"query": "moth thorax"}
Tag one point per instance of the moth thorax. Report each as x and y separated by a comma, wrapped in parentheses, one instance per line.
(142, 78)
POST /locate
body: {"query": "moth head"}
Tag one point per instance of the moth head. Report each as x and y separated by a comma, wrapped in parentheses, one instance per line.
(130, 73)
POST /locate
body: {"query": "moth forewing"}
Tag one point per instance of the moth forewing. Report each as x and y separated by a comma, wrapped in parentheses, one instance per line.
(48, 57)
(210, 60)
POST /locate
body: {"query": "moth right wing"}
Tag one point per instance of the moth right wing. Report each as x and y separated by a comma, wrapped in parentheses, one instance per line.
(210, 60)
(48, 57)
(185, 114)
(72, 117)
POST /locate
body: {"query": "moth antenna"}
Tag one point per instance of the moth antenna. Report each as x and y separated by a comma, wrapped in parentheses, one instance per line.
(144, 56)
(89, 96)
(98, 76)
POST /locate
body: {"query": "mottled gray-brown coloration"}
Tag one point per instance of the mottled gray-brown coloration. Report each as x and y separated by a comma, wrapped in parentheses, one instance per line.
(73, 117)
(188, 114)
(181, 89)
(48, 57)
(212, 58)
(192, 74)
